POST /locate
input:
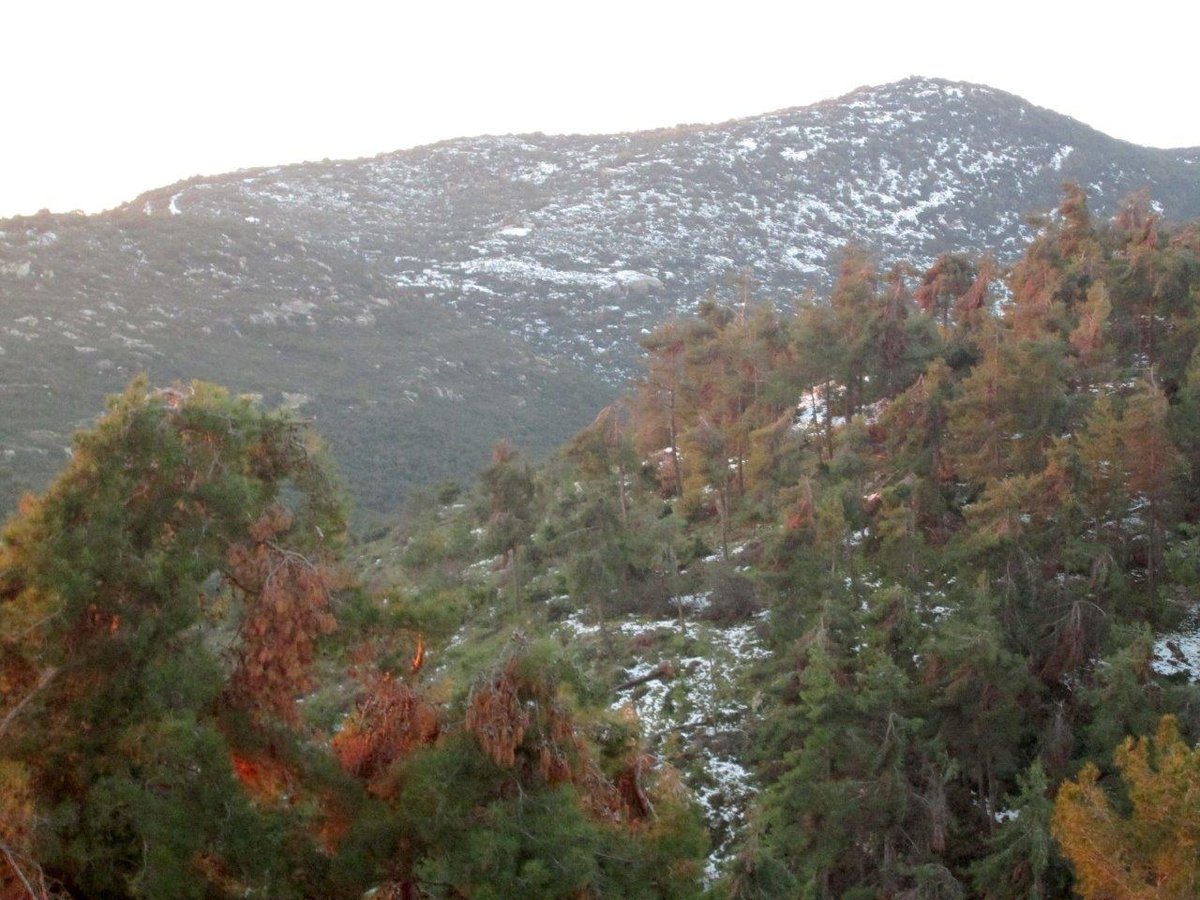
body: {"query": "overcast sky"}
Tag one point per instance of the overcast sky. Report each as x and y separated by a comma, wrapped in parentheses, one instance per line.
(104, 100)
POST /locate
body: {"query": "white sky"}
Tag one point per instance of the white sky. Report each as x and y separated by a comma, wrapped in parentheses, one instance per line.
(104, 100)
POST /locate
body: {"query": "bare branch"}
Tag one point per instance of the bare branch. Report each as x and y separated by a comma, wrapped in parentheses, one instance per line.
(45, 680)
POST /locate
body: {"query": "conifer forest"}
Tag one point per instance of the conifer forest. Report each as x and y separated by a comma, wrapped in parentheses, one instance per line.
(885, 591)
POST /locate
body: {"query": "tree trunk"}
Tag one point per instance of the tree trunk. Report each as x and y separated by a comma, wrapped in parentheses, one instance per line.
(675, 450)
(621, 493)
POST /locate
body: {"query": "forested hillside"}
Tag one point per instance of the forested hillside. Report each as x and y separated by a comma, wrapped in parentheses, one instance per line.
(419, 302)
(889, 595)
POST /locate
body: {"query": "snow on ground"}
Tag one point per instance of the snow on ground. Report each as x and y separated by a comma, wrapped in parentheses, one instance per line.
(693, 603)
(699, 706)
(1179, 652)
(734, 552)
(1061, 157)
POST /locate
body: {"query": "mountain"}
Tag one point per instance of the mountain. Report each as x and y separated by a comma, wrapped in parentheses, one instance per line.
(422, 303)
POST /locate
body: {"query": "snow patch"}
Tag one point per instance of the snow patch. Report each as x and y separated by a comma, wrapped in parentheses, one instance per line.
(1178, 653)
(1061, 157)
(699, 704)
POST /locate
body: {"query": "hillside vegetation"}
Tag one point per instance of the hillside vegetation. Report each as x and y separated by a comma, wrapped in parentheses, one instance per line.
(418, 303)
(890, 595)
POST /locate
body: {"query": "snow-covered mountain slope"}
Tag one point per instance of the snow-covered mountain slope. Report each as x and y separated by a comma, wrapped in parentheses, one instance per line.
(425, 302)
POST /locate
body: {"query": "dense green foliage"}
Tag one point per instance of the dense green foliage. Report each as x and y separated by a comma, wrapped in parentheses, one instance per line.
(136, 649)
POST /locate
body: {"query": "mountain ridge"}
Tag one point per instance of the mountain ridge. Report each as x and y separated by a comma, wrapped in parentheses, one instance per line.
(1190, 153)
(462, 280)
(664, 129)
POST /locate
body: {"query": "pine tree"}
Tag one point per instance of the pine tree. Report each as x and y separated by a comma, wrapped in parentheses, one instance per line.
(1009, 408)
(517, 801)
(508, 482)
(1023, 861)
(1088, 340)
(129, 567)
(1131, 468)
(1057, 270)
(660, 401)
(855, 304)
(944, 286)
(980, 683)
(1152, 851)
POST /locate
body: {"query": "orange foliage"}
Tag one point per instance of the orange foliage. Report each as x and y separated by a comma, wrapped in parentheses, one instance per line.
(520, 724)
(802, 515)
(100, 621)
(266, 779)
(1153, 853)
(418, 659)
(332, 829)
(18, 873)
(18, 677)
(635, 804)
(390, 721)
(287, 599)
(518, 719)
(496, 717)
(269, 782)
